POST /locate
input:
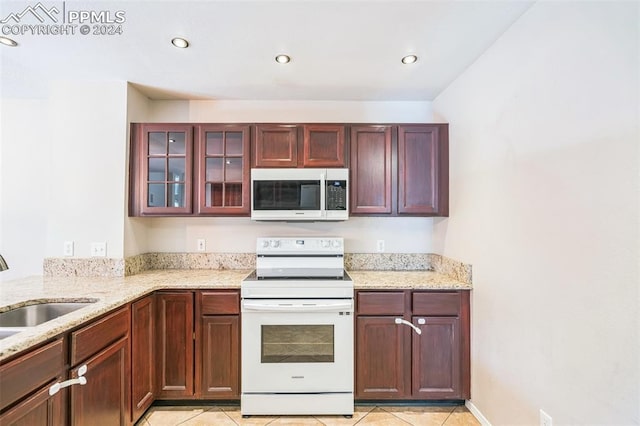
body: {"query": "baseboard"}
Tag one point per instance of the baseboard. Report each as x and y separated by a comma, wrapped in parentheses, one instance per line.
(476, 413)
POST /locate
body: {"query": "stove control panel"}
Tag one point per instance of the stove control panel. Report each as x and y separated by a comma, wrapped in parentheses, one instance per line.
(299, 246)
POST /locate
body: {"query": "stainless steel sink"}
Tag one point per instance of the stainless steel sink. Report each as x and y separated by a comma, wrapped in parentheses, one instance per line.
(32, 315)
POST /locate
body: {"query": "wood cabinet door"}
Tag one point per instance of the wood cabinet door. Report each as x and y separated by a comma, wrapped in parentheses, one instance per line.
(423, 186)
(370, 172)
(219, 357)
(174, 345)
(161, 169)
(382, 359)
(39, 409)
(437, 358)
(143, 363)
(323, 145)
(105, 398)
(222, 169)
(275, 145)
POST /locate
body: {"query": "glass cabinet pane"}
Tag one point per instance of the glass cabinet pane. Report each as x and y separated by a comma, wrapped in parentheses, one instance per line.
(177, 144)
(213, 195)
(214, 143)
(157, 169)
(156, 195)
(176, 169)
(233, 169)
(176, 195)
(233, 195)
(234, 143)
(297, 343)
(157, 143)
(215, 170)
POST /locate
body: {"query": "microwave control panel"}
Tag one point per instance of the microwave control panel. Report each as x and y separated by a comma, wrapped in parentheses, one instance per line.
(336, 195)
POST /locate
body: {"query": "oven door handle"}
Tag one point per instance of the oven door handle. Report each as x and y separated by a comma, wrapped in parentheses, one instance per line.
(297, 307)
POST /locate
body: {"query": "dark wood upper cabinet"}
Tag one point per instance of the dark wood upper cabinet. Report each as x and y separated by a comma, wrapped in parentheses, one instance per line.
(423, 170)
(222, 169)
(161, 169)
(205, 169)
(323, 145)
(275, 145)
(371, 174)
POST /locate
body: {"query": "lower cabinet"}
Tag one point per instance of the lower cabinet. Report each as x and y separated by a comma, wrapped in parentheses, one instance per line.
(174, 345)
(143, 364)
(198, 359)
(218, 345)
(100, 353)
(412, 345)
(25, 383)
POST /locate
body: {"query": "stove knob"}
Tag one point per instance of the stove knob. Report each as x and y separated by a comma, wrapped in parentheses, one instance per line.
(265, 243)
(325, 243)
(275, 243)
(335, 243)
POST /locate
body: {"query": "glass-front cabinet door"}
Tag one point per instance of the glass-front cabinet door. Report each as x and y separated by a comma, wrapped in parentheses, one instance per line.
(223, 169)
(164, 169)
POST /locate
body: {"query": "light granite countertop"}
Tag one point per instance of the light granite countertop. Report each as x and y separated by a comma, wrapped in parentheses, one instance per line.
(109, 293)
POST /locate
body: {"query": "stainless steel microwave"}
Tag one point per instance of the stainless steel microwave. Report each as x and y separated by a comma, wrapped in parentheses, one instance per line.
(300, 194)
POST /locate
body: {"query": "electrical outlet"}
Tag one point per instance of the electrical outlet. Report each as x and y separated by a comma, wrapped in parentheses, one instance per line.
(380, 246)
(99, 249)
(202, 244)
(68, 248)
(545, 419)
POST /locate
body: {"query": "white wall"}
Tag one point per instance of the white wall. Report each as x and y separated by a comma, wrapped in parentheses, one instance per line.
(406, 235)
(135, 229)
(24, 181)
(62, 175)
(545, 205)
(86, 183)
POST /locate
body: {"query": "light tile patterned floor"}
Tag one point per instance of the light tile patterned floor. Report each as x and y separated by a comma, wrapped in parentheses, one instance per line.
(363, 416)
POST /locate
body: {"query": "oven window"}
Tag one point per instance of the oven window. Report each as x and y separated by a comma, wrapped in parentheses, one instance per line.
(297, 343)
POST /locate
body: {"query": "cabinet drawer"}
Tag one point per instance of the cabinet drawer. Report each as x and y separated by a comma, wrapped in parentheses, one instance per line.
(31, 371)
(92, 338)
(380, 303)
(220, 302)
(435, 304)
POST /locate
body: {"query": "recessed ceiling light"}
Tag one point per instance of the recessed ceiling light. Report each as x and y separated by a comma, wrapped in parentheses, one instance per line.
(409, 59)
(180, 42)
(283, 59)
(8, 42)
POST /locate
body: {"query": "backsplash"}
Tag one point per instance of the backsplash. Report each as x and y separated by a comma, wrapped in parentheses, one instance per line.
(152, 261)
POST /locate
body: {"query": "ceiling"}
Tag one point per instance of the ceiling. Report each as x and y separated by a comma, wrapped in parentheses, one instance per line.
(340, 50)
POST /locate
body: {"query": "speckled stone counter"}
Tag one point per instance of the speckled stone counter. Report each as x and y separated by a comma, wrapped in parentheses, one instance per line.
(108, 293)
(406, 279)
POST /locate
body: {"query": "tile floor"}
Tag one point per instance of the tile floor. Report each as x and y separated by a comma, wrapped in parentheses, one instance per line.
(364, 415)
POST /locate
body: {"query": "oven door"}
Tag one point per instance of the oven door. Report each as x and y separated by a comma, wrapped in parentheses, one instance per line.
(297, 345)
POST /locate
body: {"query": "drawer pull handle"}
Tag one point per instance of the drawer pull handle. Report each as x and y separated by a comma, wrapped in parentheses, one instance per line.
(401, 321)
(81, 380)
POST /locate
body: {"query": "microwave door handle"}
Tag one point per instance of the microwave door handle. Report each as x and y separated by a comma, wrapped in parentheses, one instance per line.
(323, 195)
